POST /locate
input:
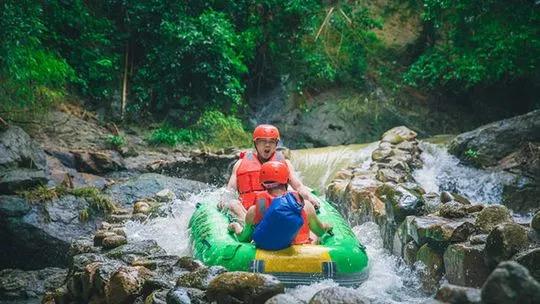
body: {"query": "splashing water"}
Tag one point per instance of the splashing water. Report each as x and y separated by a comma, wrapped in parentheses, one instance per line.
(443, 172)
(171, 232)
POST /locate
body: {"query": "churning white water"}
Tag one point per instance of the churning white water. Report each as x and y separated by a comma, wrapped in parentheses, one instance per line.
(444, 172)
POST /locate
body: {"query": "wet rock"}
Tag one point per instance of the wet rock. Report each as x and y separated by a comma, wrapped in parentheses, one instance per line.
(380, 154)
(503, 242)
(453, 209)
(432, 202)
(126, 284)
(531, 260)
(535, 223)
(399, 202)
(98, 162)
(473, 208)
(464, 264)
(156, 297)
(446, 197)
(199, 278)
(189, 263)
(498, 139)
(284, 298)
(437, 229)
(458, 295)
(82, 245)
(389, 175)
(432, 267)
(100, 235)
(461, 199)
(42, 237)
(140, 248)
(398, 134)
(16, 284)
(510, 283)
(147, 185)
(114, 241)
(478, 239)
(15, 180)
(338, 295)
(182, 295)
(492, 216)
(79, 262)
(165, 196)
(409, 253)
(245, 287)
(141, 207)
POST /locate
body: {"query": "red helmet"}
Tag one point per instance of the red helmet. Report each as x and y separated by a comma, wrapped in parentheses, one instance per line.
(265, 131)
(274, 171)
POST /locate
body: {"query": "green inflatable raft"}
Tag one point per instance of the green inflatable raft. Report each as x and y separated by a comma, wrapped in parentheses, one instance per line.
(339, 256)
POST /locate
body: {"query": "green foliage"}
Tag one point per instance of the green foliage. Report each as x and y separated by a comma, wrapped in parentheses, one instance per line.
(116, 141)
(479, 43)
(213, 130)
(32, 77)
(471, 154)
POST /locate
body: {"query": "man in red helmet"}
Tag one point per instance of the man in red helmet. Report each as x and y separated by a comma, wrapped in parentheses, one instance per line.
(279, 218)
(245, 173)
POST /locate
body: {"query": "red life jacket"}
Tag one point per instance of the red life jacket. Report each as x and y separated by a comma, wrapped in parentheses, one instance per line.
(263, 201)
(247, 176)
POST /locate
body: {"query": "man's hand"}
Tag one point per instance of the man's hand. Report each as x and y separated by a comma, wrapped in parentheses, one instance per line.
(306, 194)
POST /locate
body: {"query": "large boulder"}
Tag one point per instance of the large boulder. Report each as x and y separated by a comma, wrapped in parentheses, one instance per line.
(243, 287)
(432, 267)
(503, 242)
(464, 264)
(338, 295)
(535, 222)
(492, 216)
(16, 284)
(435, 229)
(399, 202)
(22, 161)
(199, 278)
(37, 235)
(98, 162)
(147, 185)
(531, 260)
(126, 284)
(510, 283)
(496, 140)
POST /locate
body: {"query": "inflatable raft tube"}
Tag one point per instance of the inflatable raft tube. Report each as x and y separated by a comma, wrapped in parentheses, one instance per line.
(339, 256)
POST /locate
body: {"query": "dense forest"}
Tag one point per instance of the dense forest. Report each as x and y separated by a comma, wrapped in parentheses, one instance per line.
(204, 59)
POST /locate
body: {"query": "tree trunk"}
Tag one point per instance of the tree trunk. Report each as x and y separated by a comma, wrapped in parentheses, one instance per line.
(124, 82)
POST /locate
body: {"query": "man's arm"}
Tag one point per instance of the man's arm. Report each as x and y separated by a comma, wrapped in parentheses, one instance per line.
(230, 190)
(297, 185)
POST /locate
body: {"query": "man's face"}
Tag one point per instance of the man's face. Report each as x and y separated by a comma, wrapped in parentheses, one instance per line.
(265, 147)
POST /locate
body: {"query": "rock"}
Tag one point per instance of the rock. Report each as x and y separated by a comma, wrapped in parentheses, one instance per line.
(82, 245)
(531, 260)
(492, 216)
(398, 134)
(464, 264)
(338, 295)
(409, 253)
(243, 287)
(381, 154)
(510, 283)
(136, 249)
(432, 267)
(146, 185)
(189, 263)
(432, 202)
(126, 284)
(496, 140)
(478, 239)
(399, 202)
(100, 235)
(437, 229)
(446, 197)
(42, 237)
(155, 297)
(16, 284)
(453, 209)
(458, 295)
(15, 180)
(284, 298)
(18, 150)
(13, 206)
(80, 261)
(535, 223)
(98, 162)
(114, 241)
(503, 242)
(141, 207)
(461, 199)
(181, 295)
(389, 175)
(165, 196)
(199, 278)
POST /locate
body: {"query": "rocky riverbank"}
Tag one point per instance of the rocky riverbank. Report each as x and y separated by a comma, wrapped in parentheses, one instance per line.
(443, 235)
